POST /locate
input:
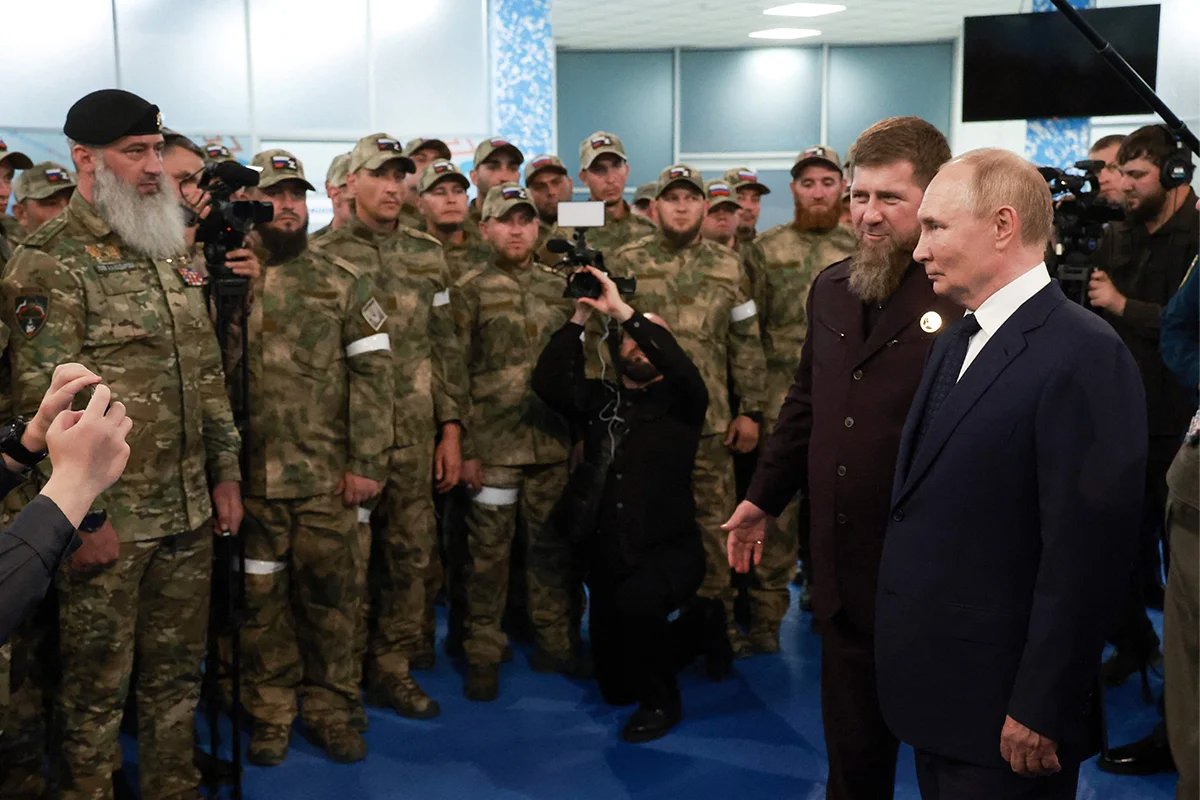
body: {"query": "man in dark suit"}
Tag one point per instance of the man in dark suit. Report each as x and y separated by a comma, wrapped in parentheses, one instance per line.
(871, 319)
(1019, 481)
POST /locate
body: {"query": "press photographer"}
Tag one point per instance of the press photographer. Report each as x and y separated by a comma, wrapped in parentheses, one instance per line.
(629, 505)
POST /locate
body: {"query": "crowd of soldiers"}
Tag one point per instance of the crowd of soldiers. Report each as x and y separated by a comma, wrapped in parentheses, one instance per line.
(394, 448)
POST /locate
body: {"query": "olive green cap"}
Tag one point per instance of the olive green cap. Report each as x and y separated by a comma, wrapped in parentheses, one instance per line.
(278, 166)
(503, 199)
(438, 171)
(40, 181)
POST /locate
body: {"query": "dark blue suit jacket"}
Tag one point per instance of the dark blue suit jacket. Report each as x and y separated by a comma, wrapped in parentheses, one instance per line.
(1011, 537)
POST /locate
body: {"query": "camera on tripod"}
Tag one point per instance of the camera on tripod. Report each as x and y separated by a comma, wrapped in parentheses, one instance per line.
(577, 254)
(228, 221)
(1079, 219)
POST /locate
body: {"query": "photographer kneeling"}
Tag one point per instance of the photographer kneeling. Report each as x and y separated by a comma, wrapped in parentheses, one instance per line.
(629, 506)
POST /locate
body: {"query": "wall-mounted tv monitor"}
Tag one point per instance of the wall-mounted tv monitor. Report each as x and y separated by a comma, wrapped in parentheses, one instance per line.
(1030, 66)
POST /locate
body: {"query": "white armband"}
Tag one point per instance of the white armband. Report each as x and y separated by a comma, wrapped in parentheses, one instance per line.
(745, 311)
(368, 344)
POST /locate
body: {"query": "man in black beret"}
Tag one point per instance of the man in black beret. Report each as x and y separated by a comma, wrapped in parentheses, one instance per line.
(107, 284)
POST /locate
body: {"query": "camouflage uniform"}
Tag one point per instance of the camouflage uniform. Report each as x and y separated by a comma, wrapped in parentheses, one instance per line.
(704, 295)
(77, 295)
(782, 264)
(412, 281)
(321, 380)
(504, 317)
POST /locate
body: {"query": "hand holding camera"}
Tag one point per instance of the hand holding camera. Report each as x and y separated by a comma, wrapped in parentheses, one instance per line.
(608, 302)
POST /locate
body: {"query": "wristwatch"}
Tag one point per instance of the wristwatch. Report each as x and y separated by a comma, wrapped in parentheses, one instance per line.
(94, 520)
(10, 443)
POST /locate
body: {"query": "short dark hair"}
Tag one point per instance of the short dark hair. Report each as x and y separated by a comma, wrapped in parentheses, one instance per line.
(1105, 142)
(1151, 142)
(910, 139)
(173, 139)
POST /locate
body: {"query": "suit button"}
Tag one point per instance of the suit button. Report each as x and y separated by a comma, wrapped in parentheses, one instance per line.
(841, 471)
(849, 423)
(841, 519)
(899, 515)
(857, 375)
(620, 506)
(618, 476)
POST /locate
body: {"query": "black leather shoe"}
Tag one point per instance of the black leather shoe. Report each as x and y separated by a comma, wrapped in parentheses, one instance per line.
(1144, 757)
(648, 724)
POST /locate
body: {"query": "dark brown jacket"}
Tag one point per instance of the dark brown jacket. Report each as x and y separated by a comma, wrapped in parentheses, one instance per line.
(839, 431)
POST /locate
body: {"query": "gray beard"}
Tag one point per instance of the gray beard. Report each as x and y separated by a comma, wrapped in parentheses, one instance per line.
(153, 225)
(876, 272)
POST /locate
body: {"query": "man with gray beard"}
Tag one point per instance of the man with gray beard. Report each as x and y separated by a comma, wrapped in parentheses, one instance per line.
(104, 284)
(871, 320)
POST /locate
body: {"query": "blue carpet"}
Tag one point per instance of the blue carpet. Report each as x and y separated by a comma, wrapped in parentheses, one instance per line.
(756, 735)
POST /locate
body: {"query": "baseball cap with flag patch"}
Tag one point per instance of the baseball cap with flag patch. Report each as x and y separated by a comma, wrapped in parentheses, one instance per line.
(438, 171)
(596, 145)
(502, 199)
(215, 151)
(490, 147)
(41, 181)
(720, 193)
(745, 178)
(279, 166)
(541, 164)
(335, 176)
(437, 145)
(14, 159)
(680, 173)
(817, 154)
(372, 152)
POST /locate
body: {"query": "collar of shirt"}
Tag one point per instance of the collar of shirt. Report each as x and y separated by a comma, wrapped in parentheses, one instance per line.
(995, 311)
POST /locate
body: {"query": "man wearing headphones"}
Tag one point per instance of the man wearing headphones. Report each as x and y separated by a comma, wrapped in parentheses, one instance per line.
(1142, 262)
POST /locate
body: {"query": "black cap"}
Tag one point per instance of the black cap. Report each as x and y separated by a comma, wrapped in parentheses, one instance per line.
(106, 115)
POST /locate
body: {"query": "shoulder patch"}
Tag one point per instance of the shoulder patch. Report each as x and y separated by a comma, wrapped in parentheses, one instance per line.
(31, 311)
(374, 314)
(46, 232)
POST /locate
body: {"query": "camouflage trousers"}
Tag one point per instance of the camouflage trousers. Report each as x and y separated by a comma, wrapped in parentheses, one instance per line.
(304, 587)
(713, 487)
(769, 579)
(405, 571)
(152, 602)
(31, 682)
(512, 496)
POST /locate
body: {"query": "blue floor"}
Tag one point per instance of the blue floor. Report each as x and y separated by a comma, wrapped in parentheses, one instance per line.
(756, 735)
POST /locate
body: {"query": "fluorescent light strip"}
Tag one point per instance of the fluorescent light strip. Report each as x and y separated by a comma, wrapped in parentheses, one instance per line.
(785, 33)
(804, 10)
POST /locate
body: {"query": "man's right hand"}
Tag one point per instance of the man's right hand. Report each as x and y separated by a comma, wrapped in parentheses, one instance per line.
(98, 551)
(67, 381)
(747, 530)
(472, 474)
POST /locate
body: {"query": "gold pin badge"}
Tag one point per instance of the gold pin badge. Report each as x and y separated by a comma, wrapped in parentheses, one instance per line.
(931, 322)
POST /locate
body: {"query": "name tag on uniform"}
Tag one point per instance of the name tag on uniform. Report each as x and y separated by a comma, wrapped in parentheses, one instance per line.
(118, 266)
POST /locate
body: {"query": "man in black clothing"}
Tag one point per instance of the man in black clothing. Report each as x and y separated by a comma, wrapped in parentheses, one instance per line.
(630, 505)
(88, 451)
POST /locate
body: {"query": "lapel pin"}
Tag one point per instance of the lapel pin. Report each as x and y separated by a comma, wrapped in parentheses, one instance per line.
(931, 322)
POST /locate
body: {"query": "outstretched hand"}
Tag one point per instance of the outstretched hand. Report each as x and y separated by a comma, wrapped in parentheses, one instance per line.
(747, 530)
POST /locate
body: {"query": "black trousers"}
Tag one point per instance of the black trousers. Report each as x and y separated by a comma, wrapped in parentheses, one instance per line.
(946, 779)
(635, 649)
(1132, 630)
(862, 750)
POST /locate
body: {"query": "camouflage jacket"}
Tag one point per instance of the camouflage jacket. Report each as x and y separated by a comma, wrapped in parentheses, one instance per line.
(413, 286)
(11, 236)
(473, 252)
(410, 217)
(320, 378)
(615, 234)
(72, 292)
(703, 294)
(504, 317)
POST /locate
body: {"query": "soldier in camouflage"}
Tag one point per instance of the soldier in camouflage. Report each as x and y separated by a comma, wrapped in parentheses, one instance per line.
(782, 263)
(413, 284)
(40, 193)
(700, 289)
(749, 191)
(335, 190)
(320, 381)
(497, 161)
(422, 152)
(103, 284)
(516, 447)
(548, 184)
(720, 222)
(442, 200)
(643, 202)
(10, 229)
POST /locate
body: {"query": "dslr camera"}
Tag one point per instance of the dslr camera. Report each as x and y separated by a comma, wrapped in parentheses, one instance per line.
(576, 254)
(1079, 219)
(228, 221)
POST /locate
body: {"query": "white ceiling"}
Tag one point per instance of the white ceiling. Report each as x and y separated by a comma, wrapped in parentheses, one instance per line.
(639, 24)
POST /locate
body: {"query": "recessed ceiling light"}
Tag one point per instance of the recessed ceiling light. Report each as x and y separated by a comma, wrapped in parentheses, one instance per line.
(785, 33)
(804, 10)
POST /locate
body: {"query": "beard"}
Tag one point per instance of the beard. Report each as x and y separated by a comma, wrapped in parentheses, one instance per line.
(1147, 209)
(153, 225)
(877, 270)
(682, 238)
(821, 218)
(283, 246)
(448, 228)
(639, 371)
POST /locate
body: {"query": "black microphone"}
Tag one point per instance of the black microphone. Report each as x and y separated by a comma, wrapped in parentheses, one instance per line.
(559, 246)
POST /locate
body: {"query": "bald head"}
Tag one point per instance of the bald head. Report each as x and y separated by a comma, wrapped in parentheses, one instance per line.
(1002, 179)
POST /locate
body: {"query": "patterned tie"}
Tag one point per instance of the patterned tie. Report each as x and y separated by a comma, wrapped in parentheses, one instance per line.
(947, 375)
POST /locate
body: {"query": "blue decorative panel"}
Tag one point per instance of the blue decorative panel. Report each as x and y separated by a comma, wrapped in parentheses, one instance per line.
(1057, 142)
(521, 43)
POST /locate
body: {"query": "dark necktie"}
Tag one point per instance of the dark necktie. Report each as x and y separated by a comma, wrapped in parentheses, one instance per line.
(947, 375)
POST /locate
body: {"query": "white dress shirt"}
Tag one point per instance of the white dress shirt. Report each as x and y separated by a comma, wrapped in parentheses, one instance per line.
(1003, 303)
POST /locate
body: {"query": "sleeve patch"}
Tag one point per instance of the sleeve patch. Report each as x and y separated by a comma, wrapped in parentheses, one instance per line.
(31, 313)
(374, 314)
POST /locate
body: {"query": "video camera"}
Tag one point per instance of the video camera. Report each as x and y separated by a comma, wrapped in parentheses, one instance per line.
(1079, 219)
(228, 221)
(582, 216)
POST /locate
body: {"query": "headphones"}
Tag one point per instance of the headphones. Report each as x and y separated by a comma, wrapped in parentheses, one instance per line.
(1177, 168)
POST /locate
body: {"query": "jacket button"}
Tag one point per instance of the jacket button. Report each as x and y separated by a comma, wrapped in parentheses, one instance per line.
(849, 423)
(857, 374)
(618, 476)
(899, 515)
(841, 470)
(841, 519)
(620, 506)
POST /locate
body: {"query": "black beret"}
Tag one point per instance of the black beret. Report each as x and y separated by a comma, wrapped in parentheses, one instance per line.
(106, 115)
